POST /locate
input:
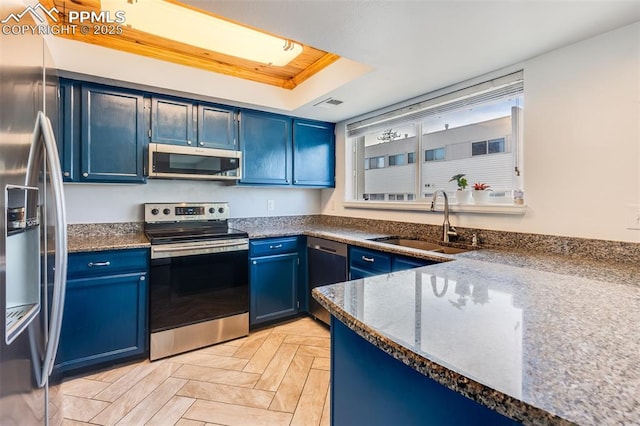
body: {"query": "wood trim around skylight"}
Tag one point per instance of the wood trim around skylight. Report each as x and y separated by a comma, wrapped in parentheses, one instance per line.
(304, 66)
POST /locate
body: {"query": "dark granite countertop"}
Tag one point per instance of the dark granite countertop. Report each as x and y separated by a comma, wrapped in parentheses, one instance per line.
(541, 339)
(86, 243)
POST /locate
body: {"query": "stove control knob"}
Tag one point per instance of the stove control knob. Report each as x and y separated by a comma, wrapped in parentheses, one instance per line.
(221, 210)
(212, 210)
(166, 211)
(155, 211)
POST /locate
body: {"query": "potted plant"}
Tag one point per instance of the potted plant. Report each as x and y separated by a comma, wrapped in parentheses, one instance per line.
(481, 193)
(462, 195)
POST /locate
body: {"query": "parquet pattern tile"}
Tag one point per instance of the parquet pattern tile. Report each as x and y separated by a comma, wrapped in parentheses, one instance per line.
(274, 376)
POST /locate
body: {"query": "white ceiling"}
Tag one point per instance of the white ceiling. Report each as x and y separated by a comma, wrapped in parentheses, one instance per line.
(415, 47)
(392, 50)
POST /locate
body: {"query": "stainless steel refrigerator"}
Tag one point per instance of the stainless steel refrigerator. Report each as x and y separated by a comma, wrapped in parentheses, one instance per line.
(33, 241)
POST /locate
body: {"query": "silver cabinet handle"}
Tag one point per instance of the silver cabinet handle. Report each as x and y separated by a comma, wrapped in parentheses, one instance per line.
(277, 246)
(92, 264)
(188, 142)
(67, 174)
(368, 259)
(85, 174)
(201, 143)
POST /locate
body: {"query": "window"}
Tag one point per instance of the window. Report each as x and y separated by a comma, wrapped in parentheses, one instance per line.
(434, 154)
(374, 163)
(493, 146)
(496, 145)
(374, 197)
(397, 160)
(475, 131)
(479, 148)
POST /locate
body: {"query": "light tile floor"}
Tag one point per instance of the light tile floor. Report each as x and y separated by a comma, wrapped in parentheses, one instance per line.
(275, 376)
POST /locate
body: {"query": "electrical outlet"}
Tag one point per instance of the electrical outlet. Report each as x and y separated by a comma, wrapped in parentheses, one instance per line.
(633, 217)
(271, 205)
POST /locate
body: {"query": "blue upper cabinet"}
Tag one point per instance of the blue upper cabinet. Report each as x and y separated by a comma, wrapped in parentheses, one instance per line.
(172, 121)
(266, 148)
(113, 135)
(313, 153)
(68, 130)
(217, 127)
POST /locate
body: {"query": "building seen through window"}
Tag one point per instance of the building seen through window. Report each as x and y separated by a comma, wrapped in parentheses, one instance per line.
(479, 136)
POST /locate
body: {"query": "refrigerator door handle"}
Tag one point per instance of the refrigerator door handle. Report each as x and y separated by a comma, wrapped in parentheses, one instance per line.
(44, 131)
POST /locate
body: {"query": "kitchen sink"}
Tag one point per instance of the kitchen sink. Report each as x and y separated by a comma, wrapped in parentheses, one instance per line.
(419, 244)
(405, 242)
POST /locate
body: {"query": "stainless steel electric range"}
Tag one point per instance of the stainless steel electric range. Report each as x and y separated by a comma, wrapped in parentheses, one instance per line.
(199, 281)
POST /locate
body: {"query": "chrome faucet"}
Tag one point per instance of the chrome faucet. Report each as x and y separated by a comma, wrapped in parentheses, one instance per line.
(448, 231)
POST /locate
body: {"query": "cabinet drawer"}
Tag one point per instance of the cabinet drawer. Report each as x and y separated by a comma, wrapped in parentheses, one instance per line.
(273, 246)
(370, 259)
(107, 262)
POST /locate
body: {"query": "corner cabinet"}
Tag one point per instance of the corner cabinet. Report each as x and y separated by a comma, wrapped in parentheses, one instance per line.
(105, 311)
(274, 269)
(266, 148)
(313, 153)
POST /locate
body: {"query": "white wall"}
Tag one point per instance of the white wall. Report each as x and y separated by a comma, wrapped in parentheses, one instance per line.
(102, 203)
(581, 145)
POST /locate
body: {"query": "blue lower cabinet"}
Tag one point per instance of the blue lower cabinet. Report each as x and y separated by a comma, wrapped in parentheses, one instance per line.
(105, 311)
(369, 387)
(274, 266)
(365, 262)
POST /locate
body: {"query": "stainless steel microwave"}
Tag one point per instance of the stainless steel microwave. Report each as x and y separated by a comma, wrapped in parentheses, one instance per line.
(185, 162)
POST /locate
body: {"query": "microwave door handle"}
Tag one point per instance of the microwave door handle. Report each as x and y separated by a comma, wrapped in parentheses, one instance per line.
(43, 131)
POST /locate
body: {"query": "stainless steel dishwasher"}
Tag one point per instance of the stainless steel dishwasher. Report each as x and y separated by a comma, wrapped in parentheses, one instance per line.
(327, 265)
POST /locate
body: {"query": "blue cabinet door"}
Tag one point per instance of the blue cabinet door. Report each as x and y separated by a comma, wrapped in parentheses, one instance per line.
(364, 262)
(265, 141)
(216, 127)
(69, 130)
(313, 153)
(273, 287)
(105, 319)
(113, 135)
(171, 121)
(401, 263)
(370, 387)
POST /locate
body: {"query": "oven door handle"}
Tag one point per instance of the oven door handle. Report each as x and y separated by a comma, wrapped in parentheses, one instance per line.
(195, 249)
(199, 247)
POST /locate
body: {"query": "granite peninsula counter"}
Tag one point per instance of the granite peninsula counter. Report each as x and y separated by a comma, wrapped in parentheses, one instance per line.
(506, 331)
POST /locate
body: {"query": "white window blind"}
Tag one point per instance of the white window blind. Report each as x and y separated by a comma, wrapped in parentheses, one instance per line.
(497, 88)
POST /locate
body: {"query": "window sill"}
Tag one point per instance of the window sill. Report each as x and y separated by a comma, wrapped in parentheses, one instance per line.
(506, 209)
